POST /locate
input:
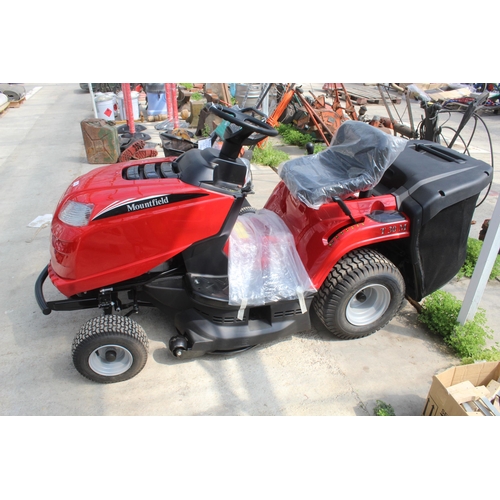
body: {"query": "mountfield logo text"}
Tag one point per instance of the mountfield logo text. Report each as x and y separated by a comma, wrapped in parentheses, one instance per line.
(155, 202)
(129, 206)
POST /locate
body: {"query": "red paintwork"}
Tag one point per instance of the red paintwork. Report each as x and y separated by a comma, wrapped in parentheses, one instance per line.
(318, 234)
(122, 247)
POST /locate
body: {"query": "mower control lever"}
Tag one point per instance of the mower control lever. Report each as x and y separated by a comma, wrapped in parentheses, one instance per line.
(344, 208)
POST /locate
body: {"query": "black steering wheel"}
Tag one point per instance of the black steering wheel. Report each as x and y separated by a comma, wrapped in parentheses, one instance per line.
(240, 118)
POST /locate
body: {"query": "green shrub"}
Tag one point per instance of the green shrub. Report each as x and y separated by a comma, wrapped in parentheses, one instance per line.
(440, 312)
(491, 354)
(293, 136)
(469, 340)
(474, 247)
(206, 131)
(383, 409)
(268, 155)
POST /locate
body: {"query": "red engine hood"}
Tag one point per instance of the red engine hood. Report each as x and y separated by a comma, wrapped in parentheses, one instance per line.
(134, 226)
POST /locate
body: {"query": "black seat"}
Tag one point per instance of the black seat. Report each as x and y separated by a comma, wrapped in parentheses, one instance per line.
(355, 161)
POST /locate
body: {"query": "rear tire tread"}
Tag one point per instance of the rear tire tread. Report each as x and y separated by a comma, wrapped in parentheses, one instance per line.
(356, 265)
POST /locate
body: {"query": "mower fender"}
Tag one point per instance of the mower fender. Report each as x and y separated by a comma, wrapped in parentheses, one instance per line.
(363, 234)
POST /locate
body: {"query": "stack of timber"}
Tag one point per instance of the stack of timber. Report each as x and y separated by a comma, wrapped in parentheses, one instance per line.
(368, 94)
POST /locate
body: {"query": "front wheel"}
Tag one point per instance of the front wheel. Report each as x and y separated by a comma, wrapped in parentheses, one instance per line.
(362, 293)
(110, 349)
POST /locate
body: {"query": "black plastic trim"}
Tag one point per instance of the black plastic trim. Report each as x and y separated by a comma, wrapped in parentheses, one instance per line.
(207, 256)
(42, 304)
(72, 304)
(206, 335)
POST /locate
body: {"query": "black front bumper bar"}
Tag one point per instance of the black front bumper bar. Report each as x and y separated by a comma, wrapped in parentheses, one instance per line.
(71, 304)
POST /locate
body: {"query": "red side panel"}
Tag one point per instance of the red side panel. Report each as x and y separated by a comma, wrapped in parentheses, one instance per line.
(323, 236)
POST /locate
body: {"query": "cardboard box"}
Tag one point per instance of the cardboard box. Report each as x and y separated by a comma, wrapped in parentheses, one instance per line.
(440, 402)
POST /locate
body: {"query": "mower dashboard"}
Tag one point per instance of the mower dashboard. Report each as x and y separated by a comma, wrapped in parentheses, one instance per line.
(205, 168)
(198, 168)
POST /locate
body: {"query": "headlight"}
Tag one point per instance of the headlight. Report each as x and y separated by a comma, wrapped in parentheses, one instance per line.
(76, 214)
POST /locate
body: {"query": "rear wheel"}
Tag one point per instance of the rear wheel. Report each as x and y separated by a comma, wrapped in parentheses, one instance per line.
(361, 295)
(110, 349)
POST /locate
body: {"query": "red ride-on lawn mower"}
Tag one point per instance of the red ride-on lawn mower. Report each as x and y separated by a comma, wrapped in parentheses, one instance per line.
(348, 232)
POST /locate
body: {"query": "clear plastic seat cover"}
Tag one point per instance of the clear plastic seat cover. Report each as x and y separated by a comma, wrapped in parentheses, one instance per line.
(355, 161)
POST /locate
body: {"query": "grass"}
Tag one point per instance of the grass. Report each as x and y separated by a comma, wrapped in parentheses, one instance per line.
(269, 156)
(383, 409)
(272, 157)
(206, 131)
(474, 247)
(440, 312)
(294, 137)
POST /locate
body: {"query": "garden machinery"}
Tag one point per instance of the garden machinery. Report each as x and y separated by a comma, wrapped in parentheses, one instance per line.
(346, 233)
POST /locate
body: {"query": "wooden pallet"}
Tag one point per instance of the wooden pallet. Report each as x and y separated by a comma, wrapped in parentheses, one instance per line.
(17, 104)
(367, 94)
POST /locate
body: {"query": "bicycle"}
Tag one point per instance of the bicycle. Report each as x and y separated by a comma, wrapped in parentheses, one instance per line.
(436, 124)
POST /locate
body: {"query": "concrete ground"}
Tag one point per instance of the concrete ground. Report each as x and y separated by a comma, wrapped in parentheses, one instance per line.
(312, 373)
